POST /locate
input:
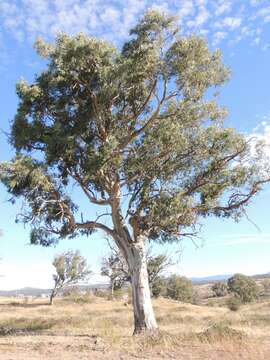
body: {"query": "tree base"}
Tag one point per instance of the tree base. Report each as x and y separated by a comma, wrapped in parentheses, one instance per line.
(143, 331)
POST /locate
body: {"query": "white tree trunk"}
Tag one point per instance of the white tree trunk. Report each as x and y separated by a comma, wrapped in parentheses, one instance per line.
(144, 317)
(133, 250)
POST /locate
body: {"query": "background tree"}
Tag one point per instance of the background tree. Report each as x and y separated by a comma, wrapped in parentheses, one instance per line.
(243, 287)
(116, 268)
(71, 267)
(156, 268)
(180, 288)
(266, 286)
(219, 289)
(139, 131)
(159, 287)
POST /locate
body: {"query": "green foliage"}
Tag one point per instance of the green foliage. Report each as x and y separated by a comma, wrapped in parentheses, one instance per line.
(180, 288)
(159, 287)
(136, 121)
(266, 286)
(156, 267)
(234, 303)
(70, 267)
(243, 287)
(219, 289)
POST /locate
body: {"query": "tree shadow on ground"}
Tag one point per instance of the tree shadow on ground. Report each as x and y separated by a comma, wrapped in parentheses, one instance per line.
(25, 305)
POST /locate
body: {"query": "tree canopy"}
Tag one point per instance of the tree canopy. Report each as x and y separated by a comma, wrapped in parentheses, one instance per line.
(138, 121)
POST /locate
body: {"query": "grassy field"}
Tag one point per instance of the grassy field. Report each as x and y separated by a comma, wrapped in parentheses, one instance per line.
(102, 329)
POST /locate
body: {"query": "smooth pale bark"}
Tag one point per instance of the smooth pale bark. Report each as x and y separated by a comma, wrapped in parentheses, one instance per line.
(144, 317)
(132, 247)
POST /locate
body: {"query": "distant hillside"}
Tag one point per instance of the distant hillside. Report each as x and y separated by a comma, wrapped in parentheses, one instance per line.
(209, 279)
(28, 291)
(216, 278)
(262, 276)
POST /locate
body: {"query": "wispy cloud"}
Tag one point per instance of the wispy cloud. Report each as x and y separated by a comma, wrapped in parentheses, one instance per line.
(230, 22)
(27, 19)
(242, 239)
(223, 7)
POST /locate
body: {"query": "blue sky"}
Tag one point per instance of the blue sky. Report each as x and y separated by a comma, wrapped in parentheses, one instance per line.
(240, 28)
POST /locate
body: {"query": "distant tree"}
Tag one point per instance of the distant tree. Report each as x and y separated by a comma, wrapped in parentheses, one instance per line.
(159, 287)
(220, 289)
(71, 267)
(156, 268)
(234, 303)
(243, 287)
(180, 288)
(266, 286)
(115, 267)
(140, 132)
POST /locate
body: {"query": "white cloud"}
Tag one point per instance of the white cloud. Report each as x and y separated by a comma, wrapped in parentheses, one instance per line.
(230, 23)
(218, 37)
(186, 9)
(223, 7)
(28, 19)
(264, 13)
(202, 16)
(255, 2)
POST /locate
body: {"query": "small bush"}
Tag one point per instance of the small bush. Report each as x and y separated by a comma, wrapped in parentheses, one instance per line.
(219, 289)
(266, 286)
(210, 303)
(102, 293)
(118, 294)
(73, 294)
(220, 332)
(180, 288)
(159, 287)
(234, 303)
(243, 287)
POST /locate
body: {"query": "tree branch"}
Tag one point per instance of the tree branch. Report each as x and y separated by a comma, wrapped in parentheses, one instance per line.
(96, 225)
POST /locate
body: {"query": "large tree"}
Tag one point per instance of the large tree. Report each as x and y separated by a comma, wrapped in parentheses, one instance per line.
(140, 133)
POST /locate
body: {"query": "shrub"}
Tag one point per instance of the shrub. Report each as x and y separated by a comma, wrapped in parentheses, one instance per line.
(210, 303)
(266, 286)
(159, 287)
(234, 303)
(220, 332)
(73, 294)
(243, 287)
(180, 288)
(219, 289)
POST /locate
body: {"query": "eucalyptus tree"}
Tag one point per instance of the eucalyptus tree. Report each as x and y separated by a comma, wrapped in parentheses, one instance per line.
(70, 267)
(140, 131)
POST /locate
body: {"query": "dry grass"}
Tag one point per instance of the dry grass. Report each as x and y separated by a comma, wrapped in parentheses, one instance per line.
(102, 329)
